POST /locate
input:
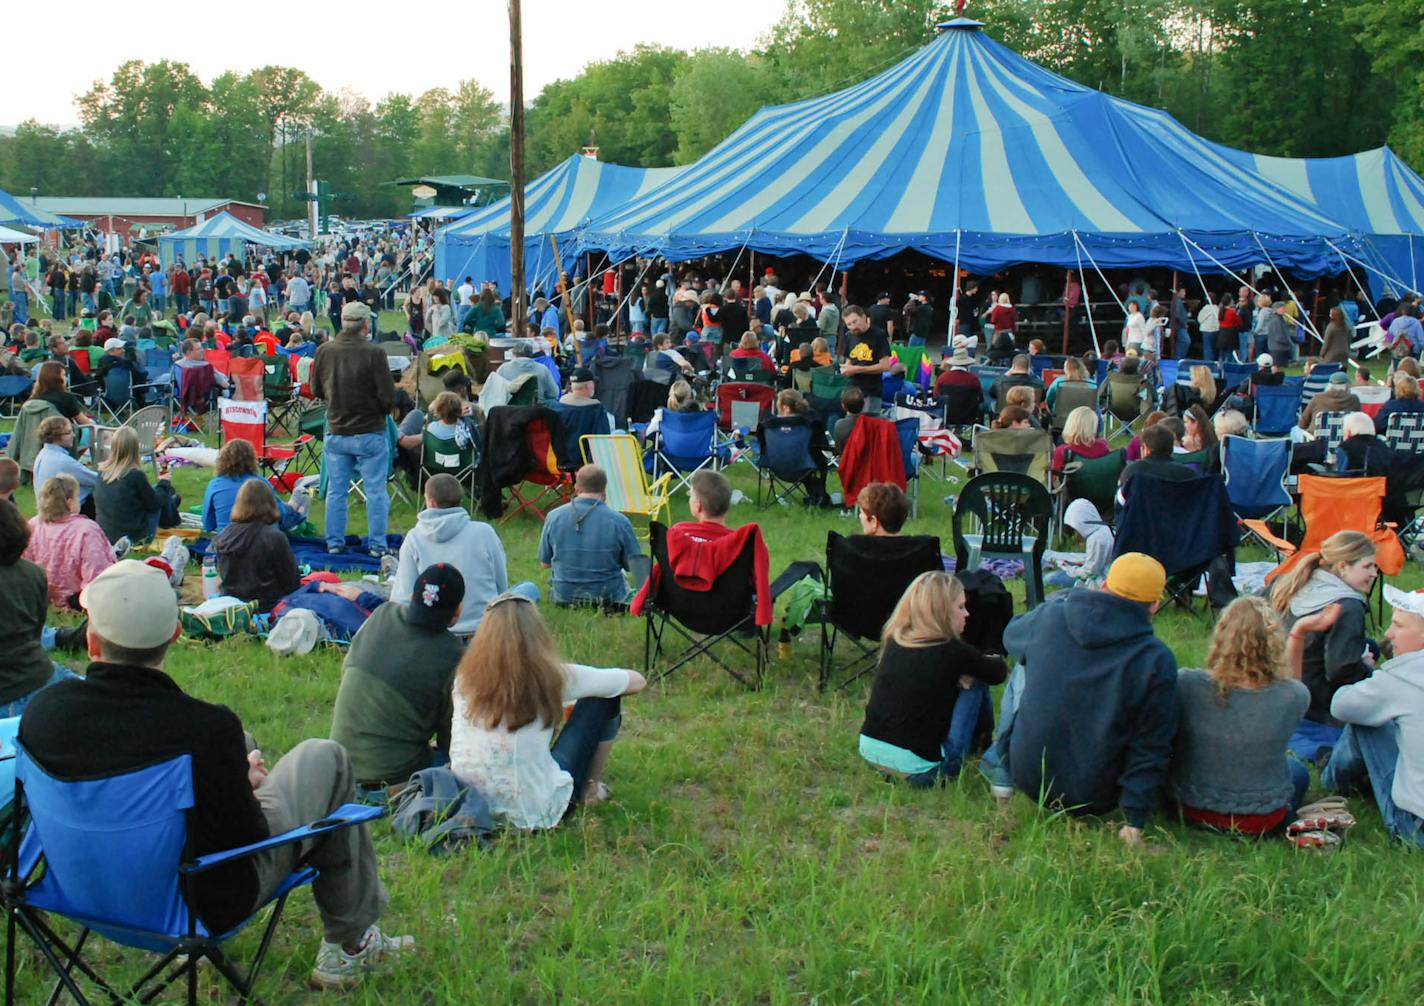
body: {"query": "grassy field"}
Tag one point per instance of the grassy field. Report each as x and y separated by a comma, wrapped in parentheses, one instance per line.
(749, 856)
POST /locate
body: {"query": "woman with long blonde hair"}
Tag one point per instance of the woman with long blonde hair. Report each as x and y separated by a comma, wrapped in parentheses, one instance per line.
(1341, 573)
(125, 505)
(1080, 439)
(1231, 768)
(509, 696)
(929, 687)
(1205, 385)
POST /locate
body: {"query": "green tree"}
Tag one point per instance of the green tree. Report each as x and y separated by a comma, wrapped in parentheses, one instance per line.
(715, 91)
(1388, 30)
(622, 105)
(131, 116)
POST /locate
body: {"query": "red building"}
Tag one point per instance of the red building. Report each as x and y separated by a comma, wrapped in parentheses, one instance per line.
(129, 217)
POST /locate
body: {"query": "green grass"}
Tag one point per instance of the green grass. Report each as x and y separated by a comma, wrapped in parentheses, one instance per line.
(749, 856)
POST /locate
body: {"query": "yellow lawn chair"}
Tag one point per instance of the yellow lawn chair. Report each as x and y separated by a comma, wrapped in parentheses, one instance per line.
(629, 490)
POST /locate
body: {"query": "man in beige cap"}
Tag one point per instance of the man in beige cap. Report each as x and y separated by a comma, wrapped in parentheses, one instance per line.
(1089, 715)
(127, 714)
(353, 376)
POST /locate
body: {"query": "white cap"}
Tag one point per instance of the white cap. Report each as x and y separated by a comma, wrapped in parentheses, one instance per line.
(131, 604)
(1404, 600)
(113, 344)
(1264, 360)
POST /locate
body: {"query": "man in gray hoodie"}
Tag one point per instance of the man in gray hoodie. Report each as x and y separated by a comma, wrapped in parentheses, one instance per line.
(445, 533)
(1383, 742)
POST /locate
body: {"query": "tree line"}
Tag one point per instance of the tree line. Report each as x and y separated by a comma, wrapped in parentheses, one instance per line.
(1301, 78)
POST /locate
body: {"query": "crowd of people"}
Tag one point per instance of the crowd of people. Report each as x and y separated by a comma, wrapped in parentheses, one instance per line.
(455, 668)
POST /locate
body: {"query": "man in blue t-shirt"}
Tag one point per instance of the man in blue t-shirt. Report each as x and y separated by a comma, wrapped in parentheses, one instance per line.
(588, 544)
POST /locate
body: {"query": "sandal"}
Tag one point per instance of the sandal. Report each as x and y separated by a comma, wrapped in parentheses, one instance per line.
(1314, 841)
(1328, 805)
(1338, 821)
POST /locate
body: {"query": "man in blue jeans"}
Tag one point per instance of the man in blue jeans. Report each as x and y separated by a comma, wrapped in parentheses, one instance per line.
(1383, 742)
(352, 375)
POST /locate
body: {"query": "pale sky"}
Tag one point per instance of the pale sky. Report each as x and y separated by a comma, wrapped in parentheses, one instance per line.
(372, 48)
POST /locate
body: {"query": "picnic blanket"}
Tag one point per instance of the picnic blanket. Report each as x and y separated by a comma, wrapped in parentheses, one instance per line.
(311, 552)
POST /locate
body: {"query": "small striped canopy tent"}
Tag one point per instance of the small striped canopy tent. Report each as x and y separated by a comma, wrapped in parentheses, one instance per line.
(217, 236)
(443, 212)
(12, 237)
(14, 213)
(1373, 193)
(970, 153)
(556, 204)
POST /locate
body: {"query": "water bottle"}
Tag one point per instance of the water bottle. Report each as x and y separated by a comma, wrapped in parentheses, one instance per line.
(210, 577)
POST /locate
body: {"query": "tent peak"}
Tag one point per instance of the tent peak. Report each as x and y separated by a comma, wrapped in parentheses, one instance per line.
(961, 24)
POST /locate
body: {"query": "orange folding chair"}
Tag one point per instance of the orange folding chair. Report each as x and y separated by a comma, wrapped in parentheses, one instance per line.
(245, 377)
(1328, 505)
(545, 481)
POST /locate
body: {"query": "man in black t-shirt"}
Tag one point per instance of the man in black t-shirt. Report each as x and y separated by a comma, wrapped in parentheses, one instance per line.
(868, 357)
(882, 315)
(921, 317)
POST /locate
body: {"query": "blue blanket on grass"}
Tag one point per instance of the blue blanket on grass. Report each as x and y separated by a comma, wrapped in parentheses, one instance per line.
(312, 552)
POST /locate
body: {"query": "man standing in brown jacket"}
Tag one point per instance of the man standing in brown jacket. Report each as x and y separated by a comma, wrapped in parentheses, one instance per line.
(352, 375)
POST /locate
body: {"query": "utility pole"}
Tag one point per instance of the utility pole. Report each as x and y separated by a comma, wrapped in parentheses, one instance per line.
(313, 209)
(519, 308)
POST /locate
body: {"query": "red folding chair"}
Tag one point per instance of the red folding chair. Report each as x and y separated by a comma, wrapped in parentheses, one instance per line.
(246, 375)
(242, 420)
(221, 359)
(545, 486)
(733, 395)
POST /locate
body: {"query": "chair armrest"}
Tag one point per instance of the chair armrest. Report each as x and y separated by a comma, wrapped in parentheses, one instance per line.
(659, 487)
(343, 817)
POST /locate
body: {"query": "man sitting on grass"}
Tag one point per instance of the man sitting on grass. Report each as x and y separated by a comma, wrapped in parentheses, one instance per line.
(1088, 716)
(588, 544)
(396, 681)
(702, 549)
(1383, 742)
(444, 532)
(127, 715)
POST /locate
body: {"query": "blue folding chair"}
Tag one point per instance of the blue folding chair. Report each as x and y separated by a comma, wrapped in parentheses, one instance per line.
(14, 389)
(1233, 375)
(113, 855)
(784, 462)
(1316, 380)
(1277, 409)
(1256, 473)
(987, 376)
(908, 430)
(1167, 373)
(685, 442)
(1104, 366)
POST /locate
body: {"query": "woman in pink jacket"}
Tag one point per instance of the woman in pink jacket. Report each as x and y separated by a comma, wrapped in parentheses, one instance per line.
(70, 548)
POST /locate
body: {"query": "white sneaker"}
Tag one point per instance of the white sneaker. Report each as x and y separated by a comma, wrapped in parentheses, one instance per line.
(336, 969)
(121, 547)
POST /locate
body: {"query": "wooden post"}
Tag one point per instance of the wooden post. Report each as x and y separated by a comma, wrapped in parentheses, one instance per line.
(518, 295)
(1163, 355)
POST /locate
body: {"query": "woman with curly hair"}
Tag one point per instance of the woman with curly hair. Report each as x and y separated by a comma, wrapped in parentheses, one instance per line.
(1231, 768)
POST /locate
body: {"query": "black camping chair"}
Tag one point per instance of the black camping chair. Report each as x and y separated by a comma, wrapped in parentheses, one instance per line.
(1004, 515)
(1201, 528)
(865, 578)
(785, 468)
(704, 618)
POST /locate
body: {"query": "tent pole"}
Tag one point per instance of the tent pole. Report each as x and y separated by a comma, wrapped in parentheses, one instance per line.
(519, 294)
(1067, 311)
(1169, 310)
(1087, 302)
(953, 296)
(1290, 290)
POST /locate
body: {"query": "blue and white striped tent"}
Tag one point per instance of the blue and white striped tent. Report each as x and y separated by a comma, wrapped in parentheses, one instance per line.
(1372, 192)
(556, 204)
(970, 153)
(217, 236)
(443, 213)
(14, 213)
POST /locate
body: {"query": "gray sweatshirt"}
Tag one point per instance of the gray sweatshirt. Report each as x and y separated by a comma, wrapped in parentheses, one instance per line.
(471, 546)
(1395, 692)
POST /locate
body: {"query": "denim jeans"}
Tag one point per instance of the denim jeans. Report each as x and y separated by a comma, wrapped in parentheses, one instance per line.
(594, 721)
(995, 763)
(366, 454)
(180, 303)
(1246, 343)
(21, 302)
(15, 708)
(916, 340)
(159, 303)
(1208, 345)
(961, 734)
(58, 311)
(1369, 754)
(90, 304)
(660, 325)
(1309, 737)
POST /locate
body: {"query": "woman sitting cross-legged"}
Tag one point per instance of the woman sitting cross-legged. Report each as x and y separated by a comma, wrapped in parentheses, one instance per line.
(255, 561)
(237, 463)
(510, 691)
(1230, 766)
(920, 719)
(69, 547)
(125, 504)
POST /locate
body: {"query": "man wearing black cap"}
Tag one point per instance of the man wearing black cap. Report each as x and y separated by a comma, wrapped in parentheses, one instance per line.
(580, 392)
(882, 315)
(396, 681)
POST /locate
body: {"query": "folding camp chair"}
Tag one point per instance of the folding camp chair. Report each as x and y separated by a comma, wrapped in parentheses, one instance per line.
(1004, 515)
(83, 361)
(447, 457)
(748, 369)
(280, 388)
(731, 394)
(1330, 427)
(1233, 375)
(311, 431)
(149, 423)
(579, 421)
(962, 405)
(111, 855)
(684, 443)
(248, 421)
(987, 377)
(246, 375)
(1092, 479)
(705, 619)
(1069, 396)
(1167, 373)
(1329, 504)
(908, 432)
(1255, 473)
(14, 389)
(827, 385)
(1277, 408)
(1316, 381)
(1404, 432)
(865, 578)
(784, 463)
(1201, 528)
(551, 485)
(115, 398)
(629, 490)
(1125, 403)
(1028, 452)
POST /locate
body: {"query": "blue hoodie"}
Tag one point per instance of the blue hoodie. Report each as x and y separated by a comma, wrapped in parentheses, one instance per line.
(1099, 709)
